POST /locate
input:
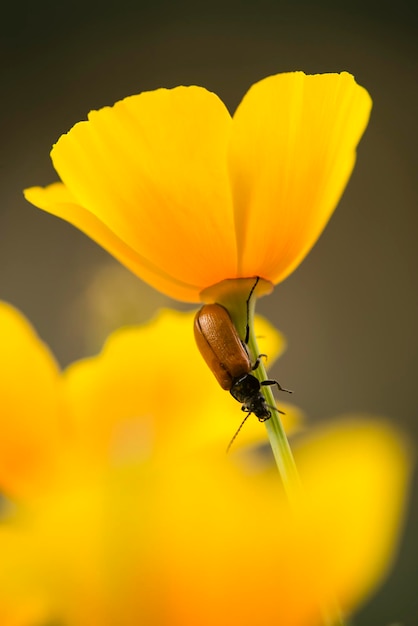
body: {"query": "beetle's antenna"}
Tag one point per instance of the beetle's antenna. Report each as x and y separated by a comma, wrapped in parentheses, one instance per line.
(238, 430)
(247, 328)
(245, 419)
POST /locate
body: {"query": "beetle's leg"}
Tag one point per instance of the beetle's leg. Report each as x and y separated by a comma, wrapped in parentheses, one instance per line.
(258, 361)
(269, 383)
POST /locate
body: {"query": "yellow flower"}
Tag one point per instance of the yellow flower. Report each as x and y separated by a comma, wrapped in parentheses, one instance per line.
(187, 196)
(127, 510)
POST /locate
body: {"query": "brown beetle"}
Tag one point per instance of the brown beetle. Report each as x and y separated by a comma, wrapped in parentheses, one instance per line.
(227, 357)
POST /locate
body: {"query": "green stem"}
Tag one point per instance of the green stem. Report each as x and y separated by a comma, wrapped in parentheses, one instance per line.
(234, 295)
(242, 313)
(275, 430)
(242, 308)
(284, 457)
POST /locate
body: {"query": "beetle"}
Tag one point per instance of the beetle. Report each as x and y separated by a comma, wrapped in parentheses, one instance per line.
(227, 356)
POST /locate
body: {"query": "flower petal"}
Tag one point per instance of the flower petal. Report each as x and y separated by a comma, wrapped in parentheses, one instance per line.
(58, 200)
(292, 151)
(256, 562)
(29, 398)
(188, 198)
(154, 543)
(152, 168)
(356, 477)
(285, 570)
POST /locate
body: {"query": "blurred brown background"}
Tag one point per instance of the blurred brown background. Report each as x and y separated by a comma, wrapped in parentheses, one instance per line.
(350, 311)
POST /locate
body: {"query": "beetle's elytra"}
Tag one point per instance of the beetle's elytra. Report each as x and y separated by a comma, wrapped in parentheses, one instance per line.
(219, 344)
(227, 357)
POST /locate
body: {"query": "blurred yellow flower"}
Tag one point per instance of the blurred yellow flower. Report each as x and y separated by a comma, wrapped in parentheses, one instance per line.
(124, 508)
(187, 196)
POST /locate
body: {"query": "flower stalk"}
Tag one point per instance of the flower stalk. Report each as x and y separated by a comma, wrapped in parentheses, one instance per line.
(239, 298)
(283, 456)
(282, 451)
(278, 440)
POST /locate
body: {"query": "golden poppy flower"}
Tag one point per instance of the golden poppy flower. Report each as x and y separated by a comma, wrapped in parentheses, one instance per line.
(187, 196)
(127, 510)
